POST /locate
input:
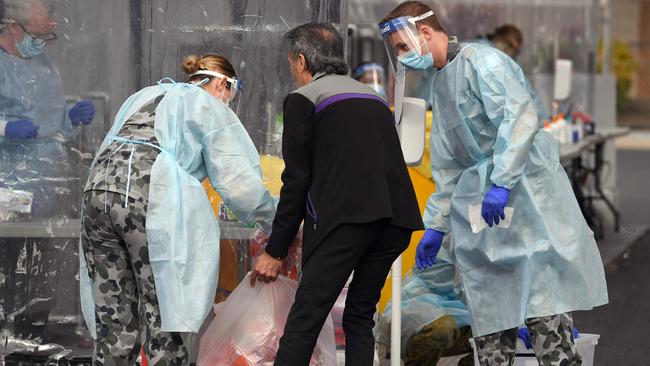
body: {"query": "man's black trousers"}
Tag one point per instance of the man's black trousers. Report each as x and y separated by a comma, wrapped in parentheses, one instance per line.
(367, 249)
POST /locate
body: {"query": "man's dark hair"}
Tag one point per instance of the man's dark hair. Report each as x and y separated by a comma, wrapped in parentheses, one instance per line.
(321, 45)
(507, 32)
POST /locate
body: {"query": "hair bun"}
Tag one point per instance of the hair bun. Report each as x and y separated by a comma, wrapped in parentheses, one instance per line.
(191, 64)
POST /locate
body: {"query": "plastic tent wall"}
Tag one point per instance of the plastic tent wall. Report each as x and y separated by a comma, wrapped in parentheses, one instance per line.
(105, 51)
(552, 29)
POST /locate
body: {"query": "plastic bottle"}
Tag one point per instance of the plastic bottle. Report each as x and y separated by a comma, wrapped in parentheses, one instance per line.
(590, 128)
(575, 134)
(563, 136)
(553, 128)
(580, 125)
(568, 130)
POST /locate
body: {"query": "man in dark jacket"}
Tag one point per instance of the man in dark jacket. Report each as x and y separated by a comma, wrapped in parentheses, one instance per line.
(345, 176)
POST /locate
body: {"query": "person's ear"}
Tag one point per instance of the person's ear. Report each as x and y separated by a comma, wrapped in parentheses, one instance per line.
(217, 84)
(426, 32)
(222, 83)
(301, 63)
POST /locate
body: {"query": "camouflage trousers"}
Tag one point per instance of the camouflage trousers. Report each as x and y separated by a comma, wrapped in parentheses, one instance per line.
(551, 337)
(115, 247)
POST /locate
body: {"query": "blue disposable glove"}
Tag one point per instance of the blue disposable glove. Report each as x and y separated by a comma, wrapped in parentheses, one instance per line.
(82, 113)
(494, 205)
(425, 255)
(524, 335)
(21, 130)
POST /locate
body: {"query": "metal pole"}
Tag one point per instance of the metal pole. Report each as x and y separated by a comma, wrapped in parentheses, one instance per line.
(396, 314)
(607, 36)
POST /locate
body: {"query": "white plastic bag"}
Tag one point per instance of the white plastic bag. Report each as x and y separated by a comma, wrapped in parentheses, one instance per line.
(247, 327)
(15, 205)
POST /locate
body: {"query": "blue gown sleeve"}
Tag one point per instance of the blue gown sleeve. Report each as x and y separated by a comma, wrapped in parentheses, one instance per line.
(540, 109)
(436, 212)
(233, 167)
(509, 106)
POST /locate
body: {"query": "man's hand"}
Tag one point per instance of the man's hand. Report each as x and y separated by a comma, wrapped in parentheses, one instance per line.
(266, 268)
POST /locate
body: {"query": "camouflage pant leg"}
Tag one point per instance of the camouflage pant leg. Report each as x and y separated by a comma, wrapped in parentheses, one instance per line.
(552, 339)
(115, 247)
(497, 349)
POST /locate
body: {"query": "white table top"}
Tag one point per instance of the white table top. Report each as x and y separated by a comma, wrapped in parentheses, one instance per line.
(572, 151)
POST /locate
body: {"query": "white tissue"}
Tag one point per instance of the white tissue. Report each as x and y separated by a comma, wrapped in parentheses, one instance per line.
(478, 223)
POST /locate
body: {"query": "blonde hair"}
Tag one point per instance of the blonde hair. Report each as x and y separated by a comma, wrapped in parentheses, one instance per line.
(212, 62)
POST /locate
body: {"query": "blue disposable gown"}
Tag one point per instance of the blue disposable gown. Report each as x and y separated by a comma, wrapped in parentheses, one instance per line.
(540, 108)
(199, 137)
(32, 89)
(485, 131)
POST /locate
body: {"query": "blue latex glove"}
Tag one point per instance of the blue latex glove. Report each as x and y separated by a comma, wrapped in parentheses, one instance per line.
(494, 205)
(82, 113)
(425, 255)
(21, 130)
(524, 335)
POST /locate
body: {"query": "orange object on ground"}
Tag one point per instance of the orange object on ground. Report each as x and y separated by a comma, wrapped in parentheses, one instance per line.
(144, 358)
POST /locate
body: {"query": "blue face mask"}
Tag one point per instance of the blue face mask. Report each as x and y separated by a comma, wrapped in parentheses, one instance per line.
(381, 91)
(413, 60)
(30, 47)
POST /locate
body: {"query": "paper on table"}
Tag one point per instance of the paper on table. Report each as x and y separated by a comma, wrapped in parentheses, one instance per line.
(478, 223)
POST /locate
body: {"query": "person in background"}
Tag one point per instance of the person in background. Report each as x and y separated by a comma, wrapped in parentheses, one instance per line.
(150, 238)
(509, 39)
(491, 161)
(373, 75)
(35, 126)
(345, 176)
(34, 118)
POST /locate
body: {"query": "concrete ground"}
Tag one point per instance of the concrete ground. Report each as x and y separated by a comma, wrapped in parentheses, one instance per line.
(624, 324)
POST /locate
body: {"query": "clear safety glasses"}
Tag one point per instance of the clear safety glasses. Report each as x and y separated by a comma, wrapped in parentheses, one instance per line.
(235, 86)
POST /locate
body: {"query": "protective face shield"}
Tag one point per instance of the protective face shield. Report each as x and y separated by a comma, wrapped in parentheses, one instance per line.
(412, 64)
(233, 86)
(373, 75)
(404, 44)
